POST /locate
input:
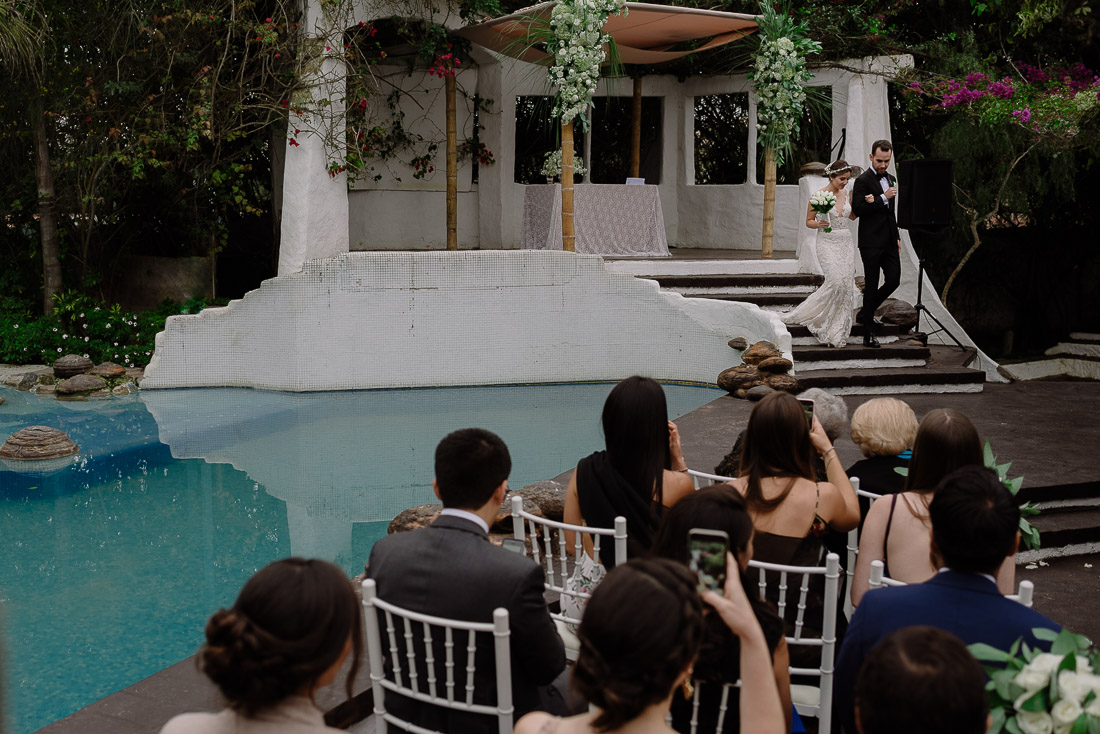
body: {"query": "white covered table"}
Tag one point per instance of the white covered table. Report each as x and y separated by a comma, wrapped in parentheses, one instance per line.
(608, 219)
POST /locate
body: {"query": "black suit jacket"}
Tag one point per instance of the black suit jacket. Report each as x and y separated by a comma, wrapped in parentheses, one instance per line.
(877, 227)
(450, 569)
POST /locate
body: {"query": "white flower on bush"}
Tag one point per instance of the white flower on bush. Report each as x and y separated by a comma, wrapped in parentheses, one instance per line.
(1044, 662)
(1093, 709)
(1072, 687)
(1065, 712)
(1035, 722)
(1031, 680)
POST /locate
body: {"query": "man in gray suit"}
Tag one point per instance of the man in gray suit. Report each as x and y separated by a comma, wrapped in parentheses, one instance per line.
(450, 569)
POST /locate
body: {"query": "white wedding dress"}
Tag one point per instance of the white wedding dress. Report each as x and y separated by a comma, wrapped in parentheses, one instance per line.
(828, 312)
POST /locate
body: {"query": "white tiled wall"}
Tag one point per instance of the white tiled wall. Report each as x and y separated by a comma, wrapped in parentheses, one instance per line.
(418, 319)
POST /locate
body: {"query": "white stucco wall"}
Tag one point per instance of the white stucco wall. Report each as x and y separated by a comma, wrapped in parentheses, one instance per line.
(379, 320)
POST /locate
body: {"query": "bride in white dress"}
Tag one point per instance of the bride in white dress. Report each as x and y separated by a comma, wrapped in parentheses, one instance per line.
(828, 312)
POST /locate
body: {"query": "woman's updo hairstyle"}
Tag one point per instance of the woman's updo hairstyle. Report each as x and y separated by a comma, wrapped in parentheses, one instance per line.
(641, 629)
(289, 625)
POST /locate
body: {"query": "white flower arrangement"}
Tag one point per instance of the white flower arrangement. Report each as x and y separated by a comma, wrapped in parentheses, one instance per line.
(777, 76)
(551, 166)
(823, 202)
(1036, 692)
(577, 45)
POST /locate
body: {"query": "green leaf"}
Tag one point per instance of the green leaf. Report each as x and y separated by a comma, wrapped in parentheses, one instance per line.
(1012, 727)
(1043, 633)
(1038, 701)
(996, 721)
(1094, 725)
(1064, 643)
(1081, 725)
(982, 651)
(987, 455)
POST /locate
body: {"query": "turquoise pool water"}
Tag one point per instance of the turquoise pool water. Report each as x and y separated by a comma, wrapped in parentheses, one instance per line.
(110, 568)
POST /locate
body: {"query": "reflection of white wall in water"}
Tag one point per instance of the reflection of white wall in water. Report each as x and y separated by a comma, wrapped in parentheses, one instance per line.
(376, 320)
(336, 459)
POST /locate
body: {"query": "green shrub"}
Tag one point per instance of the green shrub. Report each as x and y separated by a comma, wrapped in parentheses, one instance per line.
(83, 325)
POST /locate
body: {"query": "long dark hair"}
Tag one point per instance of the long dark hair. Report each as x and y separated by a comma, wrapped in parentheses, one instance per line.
(289, 625)
(635, 431)
(946, 440)
(628, 659)
(777, 444)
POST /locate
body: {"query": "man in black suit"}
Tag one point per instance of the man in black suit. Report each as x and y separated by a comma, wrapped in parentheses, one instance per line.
(873, 195)
(451, 570)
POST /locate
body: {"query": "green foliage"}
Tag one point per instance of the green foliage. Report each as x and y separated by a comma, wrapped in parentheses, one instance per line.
(84, 325)
(1028, 532)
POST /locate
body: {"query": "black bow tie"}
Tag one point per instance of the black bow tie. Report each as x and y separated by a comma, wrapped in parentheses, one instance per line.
(885, 176)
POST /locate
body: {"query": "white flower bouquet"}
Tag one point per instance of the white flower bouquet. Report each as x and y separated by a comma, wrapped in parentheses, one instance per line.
(823, 202)
(1035, 692)
(551, 166)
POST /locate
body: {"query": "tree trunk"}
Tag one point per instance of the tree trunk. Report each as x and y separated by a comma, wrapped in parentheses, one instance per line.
(277, 160)
(47, 210)
(769, 203)
(452, 167)
(636, 130)
(567, 239)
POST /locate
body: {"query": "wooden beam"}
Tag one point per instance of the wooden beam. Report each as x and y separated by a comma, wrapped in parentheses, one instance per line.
(636, 130)
(769, 203)
(567, 238)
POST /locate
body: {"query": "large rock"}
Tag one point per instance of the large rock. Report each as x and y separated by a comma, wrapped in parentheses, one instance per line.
(549, 496)
(108, 369)
(759, 392)
(741, 377)
(26, 381)
(899, 313)
(36, 443)
(785, 383)
(71, 364)
(760, 351)
(414, 518)
(81, 384)
(739, 343)
(1, 401)
(135, 373)
(775, 364)
(503, 521)
(127, 388)
(43, 389)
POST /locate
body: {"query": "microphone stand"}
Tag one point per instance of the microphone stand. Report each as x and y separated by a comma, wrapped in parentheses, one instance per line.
(919, 305)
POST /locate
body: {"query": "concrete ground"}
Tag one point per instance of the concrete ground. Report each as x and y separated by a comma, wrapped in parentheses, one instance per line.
(1049, 430)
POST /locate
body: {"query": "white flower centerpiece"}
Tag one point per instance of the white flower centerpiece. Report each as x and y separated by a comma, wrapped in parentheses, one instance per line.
(1054, 692)
(823, 202)
(551, 167)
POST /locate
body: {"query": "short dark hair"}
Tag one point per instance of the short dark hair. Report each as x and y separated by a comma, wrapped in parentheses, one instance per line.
(974, 520)
(884, 145)
(289, 625)
(919, 680)
(469, 465)
(946, 440)
(640, 630)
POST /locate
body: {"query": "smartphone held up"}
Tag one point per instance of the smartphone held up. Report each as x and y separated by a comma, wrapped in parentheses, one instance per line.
(707, 557)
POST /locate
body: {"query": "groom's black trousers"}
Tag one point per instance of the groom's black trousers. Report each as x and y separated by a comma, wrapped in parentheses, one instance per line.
(886, 261)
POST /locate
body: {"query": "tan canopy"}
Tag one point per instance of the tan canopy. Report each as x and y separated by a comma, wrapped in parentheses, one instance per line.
(642, 36)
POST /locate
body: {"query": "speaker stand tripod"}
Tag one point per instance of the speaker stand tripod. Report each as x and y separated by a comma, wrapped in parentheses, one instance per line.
(921, 308)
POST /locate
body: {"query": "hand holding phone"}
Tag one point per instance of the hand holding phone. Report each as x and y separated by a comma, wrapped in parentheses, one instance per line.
(808, 410)
(707, 557)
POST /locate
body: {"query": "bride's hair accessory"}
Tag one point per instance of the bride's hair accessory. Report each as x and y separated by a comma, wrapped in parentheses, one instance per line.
(837, 167)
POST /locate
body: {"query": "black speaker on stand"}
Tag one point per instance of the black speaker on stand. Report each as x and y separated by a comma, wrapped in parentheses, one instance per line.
(924, 208)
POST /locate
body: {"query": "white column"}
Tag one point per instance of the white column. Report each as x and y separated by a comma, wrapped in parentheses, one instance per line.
(315, 202)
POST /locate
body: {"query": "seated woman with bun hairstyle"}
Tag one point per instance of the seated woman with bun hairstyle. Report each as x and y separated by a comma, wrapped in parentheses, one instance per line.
(290, 630)
(640, 636)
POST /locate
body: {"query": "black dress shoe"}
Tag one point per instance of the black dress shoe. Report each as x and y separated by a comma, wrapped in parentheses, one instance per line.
(869, 340)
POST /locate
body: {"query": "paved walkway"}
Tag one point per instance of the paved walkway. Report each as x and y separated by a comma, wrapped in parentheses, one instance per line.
(1049, 430)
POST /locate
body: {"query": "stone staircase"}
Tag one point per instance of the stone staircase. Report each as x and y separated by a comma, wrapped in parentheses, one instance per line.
(900, 366)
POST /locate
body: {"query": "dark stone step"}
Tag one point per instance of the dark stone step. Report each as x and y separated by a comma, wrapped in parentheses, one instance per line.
(1068, 528)
(890, 377)
(857, 351)
(857, 331)
(760, 299)
(745, 280)
(1059, 493)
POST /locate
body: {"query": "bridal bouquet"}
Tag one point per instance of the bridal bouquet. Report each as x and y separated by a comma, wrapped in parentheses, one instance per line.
(1035, 692)
(822, 202)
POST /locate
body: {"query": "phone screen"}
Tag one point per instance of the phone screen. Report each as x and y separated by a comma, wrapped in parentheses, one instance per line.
(707, 557)
(808, 410)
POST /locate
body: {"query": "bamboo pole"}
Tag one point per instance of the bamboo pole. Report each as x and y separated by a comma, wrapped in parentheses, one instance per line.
(567, 238)
(769, 203)
(452, 167)
(636, 130)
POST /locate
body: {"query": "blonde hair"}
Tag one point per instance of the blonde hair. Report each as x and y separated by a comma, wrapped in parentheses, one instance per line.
(884, 427)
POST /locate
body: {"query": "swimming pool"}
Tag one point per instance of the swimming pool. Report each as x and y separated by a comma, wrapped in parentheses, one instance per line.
(109, 569)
